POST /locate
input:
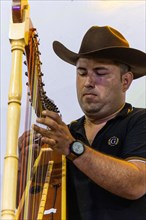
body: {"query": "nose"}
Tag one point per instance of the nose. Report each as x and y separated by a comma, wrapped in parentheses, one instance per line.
(89, 80)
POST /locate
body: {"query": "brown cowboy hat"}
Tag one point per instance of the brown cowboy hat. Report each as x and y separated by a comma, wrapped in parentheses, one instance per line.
(105, 42)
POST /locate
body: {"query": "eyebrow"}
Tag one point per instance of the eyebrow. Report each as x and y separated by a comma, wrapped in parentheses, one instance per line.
(81, 68)
(96, 68)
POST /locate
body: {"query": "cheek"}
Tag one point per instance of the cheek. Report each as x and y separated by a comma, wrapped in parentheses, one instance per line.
(78, 87)
(110, 88)
(79, 84)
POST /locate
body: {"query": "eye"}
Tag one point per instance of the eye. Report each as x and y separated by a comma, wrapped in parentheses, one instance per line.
(101, 72)
(81, 72)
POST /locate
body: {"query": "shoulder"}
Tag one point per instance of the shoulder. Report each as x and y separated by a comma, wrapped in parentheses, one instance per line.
(129, 112)
(138, 114)
(135, 121)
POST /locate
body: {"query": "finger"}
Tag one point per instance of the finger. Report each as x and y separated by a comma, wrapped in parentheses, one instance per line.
(51, 142)
(42, 131)
(32, 147)
(37, 139)
(55, 116)
(24, 139)
(26, 134)
(49, 122)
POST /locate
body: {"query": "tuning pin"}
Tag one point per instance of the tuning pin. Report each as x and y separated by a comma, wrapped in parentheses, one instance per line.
(25, 62)
(26, 73)
(41, 74)
(45, 98)
(38, 42)
(43, 93)
(42, 84)
(36, 35)
(40, 62)
(39, 52)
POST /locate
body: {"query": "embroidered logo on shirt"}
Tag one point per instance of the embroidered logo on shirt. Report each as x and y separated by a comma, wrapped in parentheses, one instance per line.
(113, 141)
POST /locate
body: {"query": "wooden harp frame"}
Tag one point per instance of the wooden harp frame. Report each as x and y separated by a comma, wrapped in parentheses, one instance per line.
(19, 38)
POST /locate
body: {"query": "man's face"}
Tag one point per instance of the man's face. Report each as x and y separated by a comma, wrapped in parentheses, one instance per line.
(100, 86)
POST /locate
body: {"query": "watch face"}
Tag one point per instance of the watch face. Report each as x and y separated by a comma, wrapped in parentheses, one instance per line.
(78, 148)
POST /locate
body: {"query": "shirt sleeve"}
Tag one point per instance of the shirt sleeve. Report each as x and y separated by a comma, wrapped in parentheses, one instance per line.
(134, 146)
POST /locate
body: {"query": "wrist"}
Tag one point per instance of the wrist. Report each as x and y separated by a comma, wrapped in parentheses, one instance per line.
(76, 149)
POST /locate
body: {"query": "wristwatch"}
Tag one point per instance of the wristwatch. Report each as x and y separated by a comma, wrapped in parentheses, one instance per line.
(76, 148)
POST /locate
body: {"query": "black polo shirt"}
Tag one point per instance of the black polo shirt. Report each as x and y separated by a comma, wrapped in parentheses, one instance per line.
(122, 137)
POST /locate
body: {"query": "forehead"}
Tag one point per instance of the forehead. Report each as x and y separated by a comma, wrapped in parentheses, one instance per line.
(85, 61)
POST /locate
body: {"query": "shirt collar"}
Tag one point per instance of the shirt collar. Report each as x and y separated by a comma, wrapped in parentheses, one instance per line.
(78, 125)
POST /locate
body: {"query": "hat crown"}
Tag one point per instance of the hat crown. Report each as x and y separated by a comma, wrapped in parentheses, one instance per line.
(105, 42)
(97, 38)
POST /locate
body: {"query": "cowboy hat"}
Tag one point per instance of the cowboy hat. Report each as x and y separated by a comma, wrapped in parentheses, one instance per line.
(105, 42)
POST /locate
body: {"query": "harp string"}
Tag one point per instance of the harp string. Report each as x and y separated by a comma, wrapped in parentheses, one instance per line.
(27, 149)
(39, 101)
(38, 180)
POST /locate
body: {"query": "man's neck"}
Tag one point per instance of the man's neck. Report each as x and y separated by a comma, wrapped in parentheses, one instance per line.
(90, 121)
(92, 127)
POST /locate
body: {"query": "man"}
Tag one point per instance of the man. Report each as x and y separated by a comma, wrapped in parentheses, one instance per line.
(106, 148)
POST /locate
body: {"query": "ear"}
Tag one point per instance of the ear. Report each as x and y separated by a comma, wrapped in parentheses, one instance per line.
(127, 79)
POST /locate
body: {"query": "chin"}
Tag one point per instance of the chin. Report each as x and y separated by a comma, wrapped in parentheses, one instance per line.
(91, 111)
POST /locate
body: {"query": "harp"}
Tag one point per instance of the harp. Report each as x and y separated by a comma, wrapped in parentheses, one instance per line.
(43, 195)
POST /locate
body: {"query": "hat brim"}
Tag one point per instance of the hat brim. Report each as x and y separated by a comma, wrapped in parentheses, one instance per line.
(136, 59)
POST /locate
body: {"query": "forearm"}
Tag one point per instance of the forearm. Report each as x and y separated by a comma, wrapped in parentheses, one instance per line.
(117, 176)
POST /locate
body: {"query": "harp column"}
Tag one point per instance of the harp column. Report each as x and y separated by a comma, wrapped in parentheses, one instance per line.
(18, 38)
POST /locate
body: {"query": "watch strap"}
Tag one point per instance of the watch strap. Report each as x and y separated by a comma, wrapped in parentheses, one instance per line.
(72, 156)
